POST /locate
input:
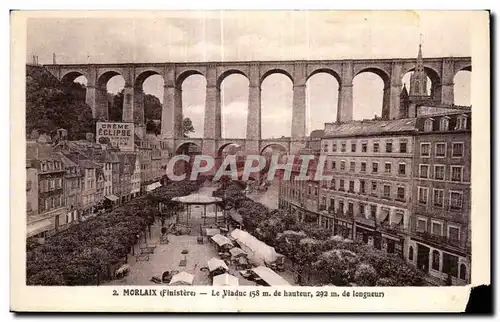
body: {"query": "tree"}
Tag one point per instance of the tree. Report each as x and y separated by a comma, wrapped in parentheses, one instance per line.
(187, 126)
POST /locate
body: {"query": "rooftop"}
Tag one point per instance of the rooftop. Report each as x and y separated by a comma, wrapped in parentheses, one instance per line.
(369, 127)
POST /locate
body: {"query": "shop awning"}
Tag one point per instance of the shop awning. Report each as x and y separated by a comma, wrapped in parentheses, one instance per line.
(38, 227)
(153, 186)
(182, 278)
(112, 197)
(216, 263)
(269, 276)
(225, 280)
(236, 252)
(221, 240)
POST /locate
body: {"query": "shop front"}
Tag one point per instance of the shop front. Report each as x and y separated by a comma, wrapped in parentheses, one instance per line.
(343, 228)
(392, 244)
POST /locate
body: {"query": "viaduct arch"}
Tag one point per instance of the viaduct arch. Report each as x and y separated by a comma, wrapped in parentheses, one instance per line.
(441, 71)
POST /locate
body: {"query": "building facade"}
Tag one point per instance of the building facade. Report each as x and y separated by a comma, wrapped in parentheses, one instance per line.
(440, 223)
(369, 195)
(72, 191)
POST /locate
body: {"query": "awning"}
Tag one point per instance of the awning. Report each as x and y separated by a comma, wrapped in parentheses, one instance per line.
(112, 197)
(398, 218)
(153, 186)
(216, 263)
(269, 276)
(38, 227)
(225, 280)
(236, 252)
(384, 212)
(135, 190)
(182, 278)
(221, 240)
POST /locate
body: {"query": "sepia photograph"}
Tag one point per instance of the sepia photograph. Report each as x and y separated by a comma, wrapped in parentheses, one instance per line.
(252, 154)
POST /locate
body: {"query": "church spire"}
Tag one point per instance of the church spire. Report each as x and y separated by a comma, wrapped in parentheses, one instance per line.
(418, 80)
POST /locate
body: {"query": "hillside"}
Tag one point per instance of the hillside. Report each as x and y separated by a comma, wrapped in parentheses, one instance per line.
(51, 105)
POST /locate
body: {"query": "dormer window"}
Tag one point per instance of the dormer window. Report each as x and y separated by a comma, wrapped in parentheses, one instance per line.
(443, 124)
(428, 125)
(461, 123)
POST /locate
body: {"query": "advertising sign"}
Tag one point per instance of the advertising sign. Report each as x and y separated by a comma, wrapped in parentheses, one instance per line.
(119, 134)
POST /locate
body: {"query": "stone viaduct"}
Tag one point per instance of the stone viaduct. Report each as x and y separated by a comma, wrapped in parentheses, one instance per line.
(441, 71)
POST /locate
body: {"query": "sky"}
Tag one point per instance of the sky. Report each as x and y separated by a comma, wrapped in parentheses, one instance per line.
(257, 35)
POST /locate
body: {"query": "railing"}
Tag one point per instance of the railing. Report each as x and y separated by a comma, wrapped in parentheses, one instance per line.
(395, 229)
(443, 239)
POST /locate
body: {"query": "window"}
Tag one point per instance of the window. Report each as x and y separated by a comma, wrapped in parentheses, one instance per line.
(401, 193)
(402, 169)
(341, 206)
(332, 184)
(454, 233)
(455, 200)
(353, 147)
(374, 186)
(387, 191)
(352, 166)
(387, 167)
(461, 123)
(425, 149)
(333, 165)
(422, 225)
(402, 147)
(436, 257)
(375, 147)
(450, 264)
(428, 124)
(309, 190)
(334, 147)
(463, 272)
(439, 172)
(374, 167)
(438, 197)
(373, 211)
(363, 166)
(458, 150)
(424, 171)
(422, 195)
(342, 149)
(388, 147)
(443, 124)
(342, 165)
(364, 147)
(350, 208)
(362, 186)
(437, 228)
(410, 253)
(440, 150)
(351, 186)
(315, 191)
(362, 209)
(325, 147)
(456, 173)
(341, 187)
(332, 203)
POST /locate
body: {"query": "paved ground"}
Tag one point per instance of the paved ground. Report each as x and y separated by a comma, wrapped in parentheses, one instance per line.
(167, 257)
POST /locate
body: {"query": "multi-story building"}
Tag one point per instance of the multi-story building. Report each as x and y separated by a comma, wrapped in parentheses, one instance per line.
(143, 148)
(31, 190)
(301, 197)
(440, 221)
(50, 177)
(126, 168)
(135, 176)
(72, 191)
(371, 165)
(89, 186)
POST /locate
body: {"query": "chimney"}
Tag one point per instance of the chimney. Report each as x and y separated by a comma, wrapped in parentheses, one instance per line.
(89, 137)
(54, 58)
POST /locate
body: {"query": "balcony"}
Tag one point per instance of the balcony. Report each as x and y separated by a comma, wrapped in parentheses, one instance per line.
(462, 244)
(392, 229)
